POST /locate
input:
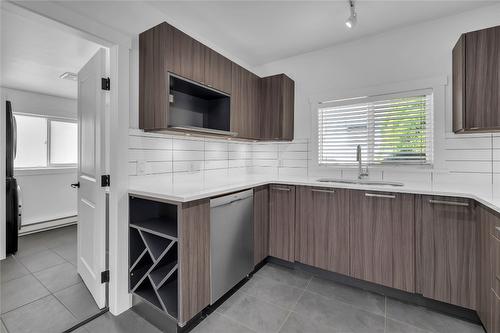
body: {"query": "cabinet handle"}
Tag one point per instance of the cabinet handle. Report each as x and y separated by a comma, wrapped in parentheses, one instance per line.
(387, 196)
(281, 188)
(322, 191)
(449, 203)
(497, 229)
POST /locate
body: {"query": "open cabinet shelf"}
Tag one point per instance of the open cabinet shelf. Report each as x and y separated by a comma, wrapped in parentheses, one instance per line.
(153, 254)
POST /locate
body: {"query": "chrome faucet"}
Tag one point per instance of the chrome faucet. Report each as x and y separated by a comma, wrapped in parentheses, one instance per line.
(362, 172)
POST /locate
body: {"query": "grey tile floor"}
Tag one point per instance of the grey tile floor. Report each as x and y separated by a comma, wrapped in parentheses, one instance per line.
(276, 299)
(40, 290)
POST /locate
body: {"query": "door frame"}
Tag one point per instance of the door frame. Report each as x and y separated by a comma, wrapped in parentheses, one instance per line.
(119, 46)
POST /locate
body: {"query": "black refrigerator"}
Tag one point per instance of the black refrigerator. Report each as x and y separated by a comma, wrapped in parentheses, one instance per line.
(13, 207)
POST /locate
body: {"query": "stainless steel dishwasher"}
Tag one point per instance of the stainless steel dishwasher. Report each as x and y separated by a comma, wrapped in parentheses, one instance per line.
(231, 241)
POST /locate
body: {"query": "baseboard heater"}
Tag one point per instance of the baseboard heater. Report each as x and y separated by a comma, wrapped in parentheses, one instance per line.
(48, 225)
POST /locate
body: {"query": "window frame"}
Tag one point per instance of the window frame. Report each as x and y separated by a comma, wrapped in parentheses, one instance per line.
(372, 95)
(49, 119)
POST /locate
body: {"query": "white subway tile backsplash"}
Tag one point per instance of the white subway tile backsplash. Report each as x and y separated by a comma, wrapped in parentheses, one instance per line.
(216, 146)
(149, 155)
(468, 155)
(299, 172)
(159, 167)
(187, 166)
(293, 155)
(265, 155)
(221, 164)
(188, 155)
(188, 144)
(132, 168)
(216, 155)
(143, 142)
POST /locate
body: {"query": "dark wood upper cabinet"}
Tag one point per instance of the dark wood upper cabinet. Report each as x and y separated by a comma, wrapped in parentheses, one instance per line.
(277, 107)
(322, 228)
(260, 223)
(261, 108)
(382, 238)
(155, 59)
(282, 222)
(218, 71)
(245, 96)
(449, 249)
(188, 58)
(476, 81)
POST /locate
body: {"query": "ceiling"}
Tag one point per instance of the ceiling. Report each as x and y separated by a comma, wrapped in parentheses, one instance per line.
(258, 32)
(35, 54)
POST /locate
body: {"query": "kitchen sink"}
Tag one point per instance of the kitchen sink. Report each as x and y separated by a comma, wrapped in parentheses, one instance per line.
(359, 182)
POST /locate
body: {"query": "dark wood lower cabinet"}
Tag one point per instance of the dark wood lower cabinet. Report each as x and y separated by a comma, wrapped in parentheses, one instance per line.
(382, 242)
(494, 326)
(449, 247)
(194, 270)
(322, 228)
(260, 223)
(484, 273)
(282, 222)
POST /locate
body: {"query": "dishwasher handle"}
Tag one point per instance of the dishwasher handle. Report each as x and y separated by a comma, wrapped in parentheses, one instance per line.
(230, 198)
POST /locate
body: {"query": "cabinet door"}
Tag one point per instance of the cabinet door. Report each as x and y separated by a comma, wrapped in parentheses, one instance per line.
(245, 112)
(218, 71)
(282, 221)
(322, 228)
(155, 51)
(449, 250)
(277, 105)
(261, 223)
(458, 85)
(194, 254)
(484, 220)
(495, 311)
(482, 79)
(382, 238)
(188, 57)
(271, 100)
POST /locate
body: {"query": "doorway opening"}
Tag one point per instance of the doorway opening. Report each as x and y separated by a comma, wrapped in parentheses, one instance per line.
(57, 147)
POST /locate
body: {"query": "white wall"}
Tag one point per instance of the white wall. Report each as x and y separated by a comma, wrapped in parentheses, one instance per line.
(403, 56)
(46, 194)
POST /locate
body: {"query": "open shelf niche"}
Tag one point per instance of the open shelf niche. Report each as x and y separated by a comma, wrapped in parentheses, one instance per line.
(153, 256)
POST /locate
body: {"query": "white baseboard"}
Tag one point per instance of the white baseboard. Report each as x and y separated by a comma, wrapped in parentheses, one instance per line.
(47, 225)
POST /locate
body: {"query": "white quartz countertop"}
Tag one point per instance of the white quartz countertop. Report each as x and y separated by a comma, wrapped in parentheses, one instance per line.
(184, 189)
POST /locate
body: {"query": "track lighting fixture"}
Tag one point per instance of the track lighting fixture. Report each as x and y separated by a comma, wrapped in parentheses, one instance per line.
(352, 20)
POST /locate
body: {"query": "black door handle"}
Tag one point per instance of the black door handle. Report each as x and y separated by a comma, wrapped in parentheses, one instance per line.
(75, 185)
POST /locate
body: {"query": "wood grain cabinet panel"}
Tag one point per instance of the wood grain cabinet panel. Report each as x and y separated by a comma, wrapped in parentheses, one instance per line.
(245, 106)
(277, 107)
(261, 223)
(188, 57)
(194, 266)
(218, 71)
(282, 221)
(449, 250)
(155, 52)
(484, 280)
(322, 228)
(495, 320)
(476, 77)
(382, 246)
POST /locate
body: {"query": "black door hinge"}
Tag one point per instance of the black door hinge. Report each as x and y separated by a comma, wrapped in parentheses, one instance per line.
(105, 181)
(105, 83)
(105, 276)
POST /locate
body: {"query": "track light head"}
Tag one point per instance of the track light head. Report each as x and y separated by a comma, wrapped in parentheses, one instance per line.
(353, 18)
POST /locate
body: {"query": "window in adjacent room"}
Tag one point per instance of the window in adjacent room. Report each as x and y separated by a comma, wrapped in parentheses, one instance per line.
(391, 129)
(45, 142)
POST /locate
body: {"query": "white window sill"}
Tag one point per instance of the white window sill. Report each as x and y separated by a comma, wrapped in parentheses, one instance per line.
(43, 171)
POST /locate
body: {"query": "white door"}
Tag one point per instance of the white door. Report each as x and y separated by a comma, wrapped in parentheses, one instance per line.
(91, 165)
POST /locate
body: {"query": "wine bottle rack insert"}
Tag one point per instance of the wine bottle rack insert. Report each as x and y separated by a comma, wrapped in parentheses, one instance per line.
(153, 256)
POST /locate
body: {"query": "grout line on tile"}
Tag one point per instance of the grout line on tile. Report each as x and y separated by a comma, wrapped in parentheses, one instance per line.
(233, 320)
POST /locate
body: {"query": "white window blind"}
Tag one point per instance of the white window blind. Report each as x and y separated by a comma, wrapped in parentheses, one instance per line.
(391, 129)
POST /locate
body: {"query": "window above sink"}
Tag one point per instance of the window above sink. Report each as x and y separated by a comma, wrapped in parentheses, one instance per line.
(392, 129)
